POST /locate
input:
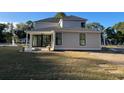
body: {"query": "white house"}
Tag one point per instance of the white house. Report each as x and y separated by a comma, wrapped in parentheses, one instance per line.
(68, 33)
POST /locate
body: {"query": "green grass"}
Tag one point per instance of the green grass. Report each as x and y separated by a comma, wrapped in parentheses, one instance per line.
(15, 65)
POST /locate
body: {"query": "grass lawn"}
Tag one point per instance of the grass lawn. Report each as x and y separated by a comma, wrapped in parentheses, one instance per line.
(15, 65)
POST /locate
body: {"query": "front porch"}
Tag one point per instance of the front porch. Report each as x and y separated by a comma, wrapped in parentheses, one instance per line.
(40, 41)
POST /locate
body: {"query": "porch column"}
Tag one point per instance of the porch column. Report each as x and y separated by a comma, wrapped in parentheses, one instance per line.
(26, 39)
(30, 45)
(53, 45)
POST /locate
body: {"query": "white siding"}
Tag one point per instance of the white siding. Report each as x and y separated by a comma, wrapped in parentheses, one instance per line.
(71, 24)
(64, 24)
(71, 42)
(39, 25)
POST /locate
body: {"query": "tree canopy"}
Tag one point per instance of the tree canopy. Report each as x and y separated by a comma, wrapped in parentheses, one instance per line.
(29, 25)
(25, 26)
(2, 27)
(60, 15)
(21, 26)
(95, 26)
(119, 27)
(110, 32)
(113, 36)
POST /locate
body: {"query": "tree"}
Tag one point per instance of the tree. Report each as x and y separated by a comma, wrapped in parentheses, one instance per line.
(20, 30)
(21, 26)
(7, 37)
(95, 26)
(2, 27)
(111, 35)
(20, 34)
(110, 32)
(120, 32)
(119, 27)
(60, 15)
(29, 25)
(120, 37)
(13, 33)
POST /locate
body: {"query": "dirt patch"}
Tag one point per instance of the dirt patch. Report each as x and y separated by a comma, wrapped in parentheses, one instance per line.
(116, 58)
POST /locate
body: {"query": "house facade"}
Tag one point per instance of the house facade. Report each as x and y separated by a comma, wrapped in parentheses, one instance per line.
(68, 33)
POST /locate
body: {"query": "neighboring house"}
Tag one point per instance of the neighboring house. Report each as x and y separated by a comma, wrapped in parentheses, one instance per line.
(68, 33)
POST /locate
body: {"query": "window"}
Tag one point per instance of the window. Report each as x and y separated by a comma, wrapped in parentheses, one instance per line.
(82, 39)
(34, 40)
(58, 38)
(82, 24)
(41, 40)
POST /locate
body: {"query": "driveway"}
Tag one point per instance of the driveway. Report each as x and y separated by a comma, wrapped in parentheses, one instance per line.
(117, 50)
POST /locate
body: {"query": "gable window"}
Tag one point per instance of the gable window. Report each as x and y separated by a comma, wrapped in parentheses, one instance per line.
(59, 38)
(82, 39)
(82, 24)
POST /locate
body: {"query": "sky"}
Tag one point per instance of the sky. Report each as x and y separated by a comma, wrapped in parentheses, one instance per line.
(105, 18)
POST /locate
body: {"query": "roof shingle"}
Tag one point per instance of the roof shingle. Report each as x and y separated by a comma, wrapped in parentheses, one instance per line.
(67, 18)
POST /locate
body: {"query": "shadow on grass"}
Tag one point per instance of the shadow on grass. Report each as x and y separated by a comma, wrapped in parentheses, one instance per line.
(47, 66)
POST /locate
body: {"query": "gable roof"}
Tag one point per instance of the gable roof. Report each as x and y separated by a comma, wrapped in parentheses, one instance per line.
(67, 18)
(74, 18)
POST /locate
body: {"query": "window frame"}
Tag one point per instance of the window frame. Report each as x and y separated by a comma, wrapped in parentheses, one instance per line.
(83, 24)
(82, 38)
(56, 43)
